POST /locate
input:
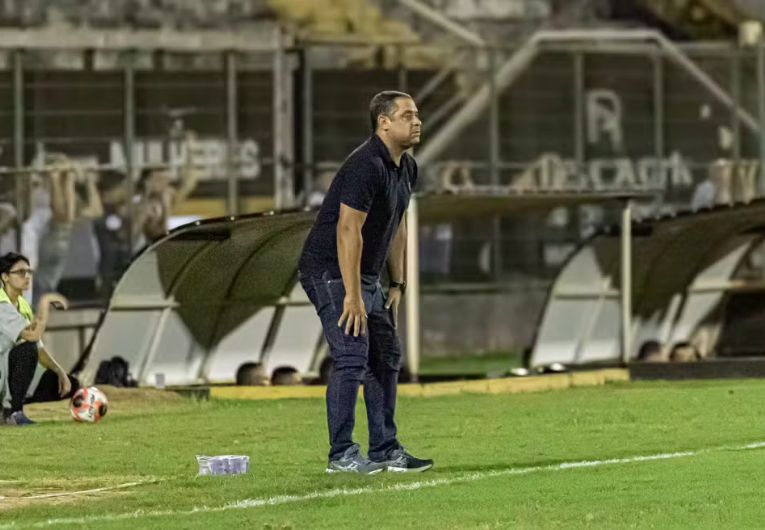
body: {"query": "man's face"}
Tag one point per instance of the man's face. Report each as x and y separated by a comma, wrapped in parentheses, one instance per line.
(404, 125)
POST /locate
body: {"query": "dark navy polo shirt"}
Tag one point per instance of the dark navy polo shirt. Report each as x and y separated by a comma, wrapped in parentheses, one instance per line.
(371, 182)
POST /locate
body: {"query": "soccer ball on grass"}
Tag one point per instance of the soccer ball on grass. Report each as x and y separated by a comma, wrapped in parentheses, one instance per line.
(88, 405)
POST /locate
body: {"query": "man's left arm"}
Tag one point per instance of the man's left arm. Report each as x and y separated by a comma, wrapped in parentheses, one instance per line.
(47, 360)
(396, 263)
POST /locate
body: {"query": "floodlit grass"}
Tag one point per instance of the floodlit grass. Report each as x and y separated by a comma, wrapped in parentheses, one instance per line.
(473, 439)
(470, 365)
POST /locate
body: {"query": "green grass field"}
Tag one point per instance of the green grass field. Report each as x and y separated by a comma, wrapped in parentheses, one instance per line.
(470, 365)
(498, 463)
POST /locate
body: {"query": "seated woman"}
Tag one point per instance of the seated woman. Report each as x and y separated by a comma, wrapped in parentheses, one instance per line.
(21, 346)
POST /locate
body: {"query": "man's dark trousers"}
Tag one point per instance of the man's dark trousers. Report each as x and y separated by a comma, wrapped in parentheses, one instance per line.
(372, 359)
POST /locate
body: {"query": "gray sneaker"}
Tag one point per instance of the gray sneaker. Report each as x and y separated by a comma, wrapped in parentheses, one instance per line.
(17, 418)
(353, 461)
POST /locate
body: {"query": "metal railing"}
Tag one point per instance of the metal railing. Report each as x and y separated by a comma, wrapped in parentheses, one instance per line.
(585, 110)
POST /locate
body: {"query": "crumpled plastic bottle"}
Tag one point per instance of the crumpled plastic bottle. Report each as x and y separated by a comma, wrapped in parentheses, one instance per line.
(223, 465)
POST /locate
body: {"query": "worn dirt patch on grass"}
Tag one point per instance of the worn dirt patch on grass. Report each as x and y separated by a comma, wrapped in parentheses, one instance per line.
(19, 494)
(121, 401)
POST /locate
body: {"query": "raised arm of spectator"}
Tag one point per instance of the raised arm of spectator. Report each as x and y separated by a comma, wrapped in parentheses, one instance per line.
(63, 196)
(94, 208)
(7, 216)
(189, 173)
(57, 193)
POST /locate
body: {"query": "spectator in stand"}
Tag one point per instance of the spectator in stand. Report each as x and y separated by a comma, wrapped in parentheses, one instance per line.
(7, 220)
(684, 352)
(68, 207)
(159, 196)
(650, 352)
(716, 188)
(150, 212)
(34, 226)
(112, 231)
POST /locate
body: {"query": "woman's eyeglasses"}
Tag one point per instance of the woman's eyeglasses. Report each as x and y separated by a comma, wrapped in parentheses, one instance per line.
(22, 272)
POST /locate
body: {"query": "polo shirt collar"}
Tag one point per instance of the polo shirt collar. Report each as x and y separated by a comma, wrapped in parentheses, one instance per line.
(382, 150)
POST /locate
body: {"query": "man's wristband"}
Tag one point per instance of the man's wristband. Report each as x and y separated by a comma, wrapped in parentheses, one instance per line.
(401, 286)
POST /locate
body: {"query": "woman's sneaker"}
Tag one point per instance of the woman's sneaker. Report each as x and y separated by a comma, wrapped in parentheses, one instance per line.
(352, 461)
(17, 418)
(400, 461)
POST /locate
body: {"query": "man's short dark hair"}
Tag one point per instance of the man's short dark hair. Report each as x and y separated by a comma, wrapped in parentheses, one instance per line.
(384, 104)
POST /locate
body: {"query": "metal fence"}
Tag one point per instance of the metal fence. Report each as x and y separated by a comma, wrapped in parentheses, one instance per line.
(582, 115)
(273, 122)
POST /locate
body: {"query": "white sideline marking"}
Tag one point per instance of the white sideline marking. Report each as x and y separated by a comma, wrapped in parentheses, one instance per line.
(755, 445)
(404, 486)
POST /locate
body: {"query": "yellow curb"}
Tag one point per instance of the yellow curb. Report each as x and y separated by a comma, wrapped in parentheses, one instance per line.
(507, 385)
(266, 392)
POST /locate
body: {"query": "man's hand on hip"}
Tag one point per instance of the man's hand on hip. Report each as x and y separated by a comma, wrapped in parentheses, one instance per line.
(394, 298)
(354, 316)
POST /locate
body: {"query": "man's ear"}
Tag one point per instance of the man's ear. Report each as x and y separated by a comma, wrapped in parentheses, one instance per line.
(383, 122)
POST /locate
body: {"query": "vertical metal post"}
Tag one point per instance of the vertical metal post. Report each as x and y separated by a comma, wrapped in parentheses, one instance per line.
(761, 109)
(282, 104)
(580, 146)
(129, 138)
(626, 280)
(658, 122)
(20, 179)
(288, 127)
(579, 88)
(493, 119)
(232, 128)
(494, 159)
(403, 74)
(735, 81)
(278, 66)
(658, 106)
(412, 294)
(307, 92)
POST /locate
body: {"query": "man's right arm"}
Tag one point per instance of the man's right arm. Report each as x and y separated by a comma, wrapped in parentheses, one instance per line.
(349, 246)
(357, 193)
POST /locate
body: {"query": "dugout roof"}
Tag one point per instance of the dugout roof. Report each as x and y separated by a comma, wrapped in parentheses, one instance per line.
(214, 294)
(681, 272)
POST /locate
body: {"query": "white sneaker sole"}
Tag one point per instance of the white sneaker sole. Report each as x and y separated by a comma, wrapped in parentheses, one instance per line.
(408, 470)
(331, 471)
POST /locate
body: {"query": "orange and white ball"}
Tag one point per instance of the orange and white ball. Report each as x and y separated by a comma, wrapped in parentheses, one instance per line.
(88, 405)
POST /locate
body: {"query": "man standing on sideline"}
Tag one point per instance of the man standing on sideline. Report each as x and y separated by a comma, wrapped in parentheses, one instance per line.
(359, 225)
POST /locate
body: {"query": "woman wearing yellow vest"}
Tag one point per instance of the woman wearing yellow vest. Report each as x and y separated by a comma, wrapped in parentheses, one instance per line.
(21, 347)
